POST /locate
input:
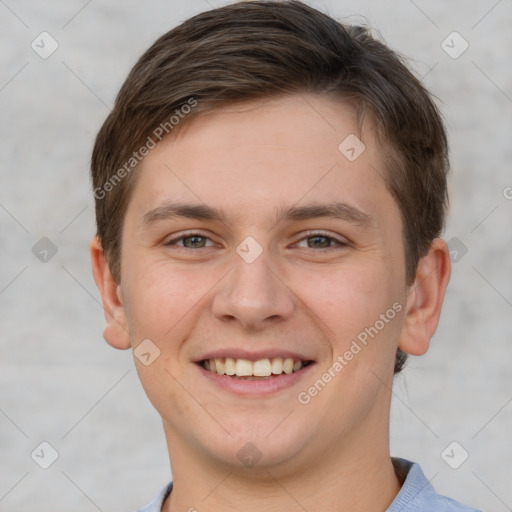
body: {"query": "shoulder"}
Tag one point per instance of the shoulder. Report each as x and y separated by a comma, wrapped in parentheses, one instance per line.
(155, 505)
(418, 495)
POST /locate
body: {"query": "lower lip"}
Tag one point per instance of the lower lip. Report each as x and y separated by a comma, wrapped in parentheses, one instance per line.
(256, 388)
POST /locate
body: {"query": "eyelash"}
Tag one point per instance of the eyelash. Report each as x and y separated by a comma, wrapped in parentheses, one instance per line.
(310, 234)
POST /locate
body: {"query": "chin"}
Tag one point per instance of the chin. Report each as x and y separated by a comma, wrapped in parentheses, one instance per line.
(255, 448)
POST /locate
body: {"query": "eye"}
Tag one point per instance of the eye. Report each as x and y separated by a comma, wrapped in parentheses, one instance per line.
(322, 241)
(314, 240)
(190, 241)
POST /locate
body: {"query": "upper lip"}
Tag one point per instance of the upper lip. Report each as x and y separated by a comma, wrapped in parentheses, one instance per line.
(237, 353)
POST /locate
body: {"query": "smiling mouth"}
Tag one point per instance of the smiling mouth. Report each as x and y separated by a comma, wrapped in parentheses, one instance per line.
(262, 369)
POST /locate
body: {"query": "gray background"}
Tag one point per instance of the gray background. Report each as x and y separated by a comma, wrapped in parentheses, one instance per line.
(61, 383)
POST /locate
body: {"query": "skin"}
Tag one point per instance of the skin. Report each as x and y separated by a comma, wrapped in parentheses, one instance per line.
(306, 294)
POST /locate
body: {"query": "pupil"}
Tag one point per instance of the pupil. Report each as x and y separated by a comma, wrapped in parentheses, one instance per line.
(194, 240)
(316, 238)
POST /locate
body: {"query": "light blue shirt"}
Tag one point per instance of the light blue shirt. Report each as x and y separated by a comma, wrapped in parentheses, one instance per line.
(416, 494)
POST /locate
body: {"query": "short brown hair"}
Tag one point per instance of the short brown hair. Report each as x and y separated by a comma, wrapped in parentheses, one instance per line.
(260, 49)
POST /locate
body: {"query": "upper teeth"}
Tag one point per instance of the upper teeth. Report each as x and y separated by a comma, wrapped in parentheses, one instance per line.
(260, 368)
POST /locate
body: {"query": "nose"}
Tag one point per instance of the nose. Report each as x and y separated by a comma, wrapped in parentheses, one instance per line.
(254, 295)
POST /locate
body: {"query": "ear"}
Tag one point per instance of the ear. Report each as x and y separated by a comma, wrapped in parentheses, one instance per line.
(425, 299)
(116, 329)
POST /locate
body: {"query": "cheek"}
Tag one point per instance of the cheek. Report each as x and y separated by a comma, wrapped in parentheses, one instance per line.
(164, 298)
(348, 303)
(346, 297)
(154, 298)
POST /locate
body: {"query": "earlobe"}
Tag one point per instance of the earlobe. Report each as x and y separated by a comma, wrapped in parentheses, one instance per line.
(116, 331)
(425, 299)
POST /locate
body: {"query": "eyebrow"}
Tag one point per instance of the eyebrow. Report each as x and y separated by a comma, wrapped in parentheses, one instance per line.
(336, 210)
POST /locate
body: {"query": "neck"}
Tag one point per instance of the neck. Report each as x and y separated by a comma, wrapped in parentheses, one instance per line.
(352, 477)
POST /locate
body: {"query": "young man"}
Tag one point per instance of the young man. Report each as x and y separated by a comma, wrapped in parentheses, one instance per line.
(270, 188)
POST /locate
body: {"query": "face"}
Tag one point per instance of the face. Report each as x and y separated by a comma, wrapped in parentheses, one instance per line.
(255, 236)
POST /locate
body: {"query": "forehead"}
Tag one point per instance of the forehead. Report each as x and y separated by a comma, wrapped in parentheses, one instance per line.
(249, 156)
